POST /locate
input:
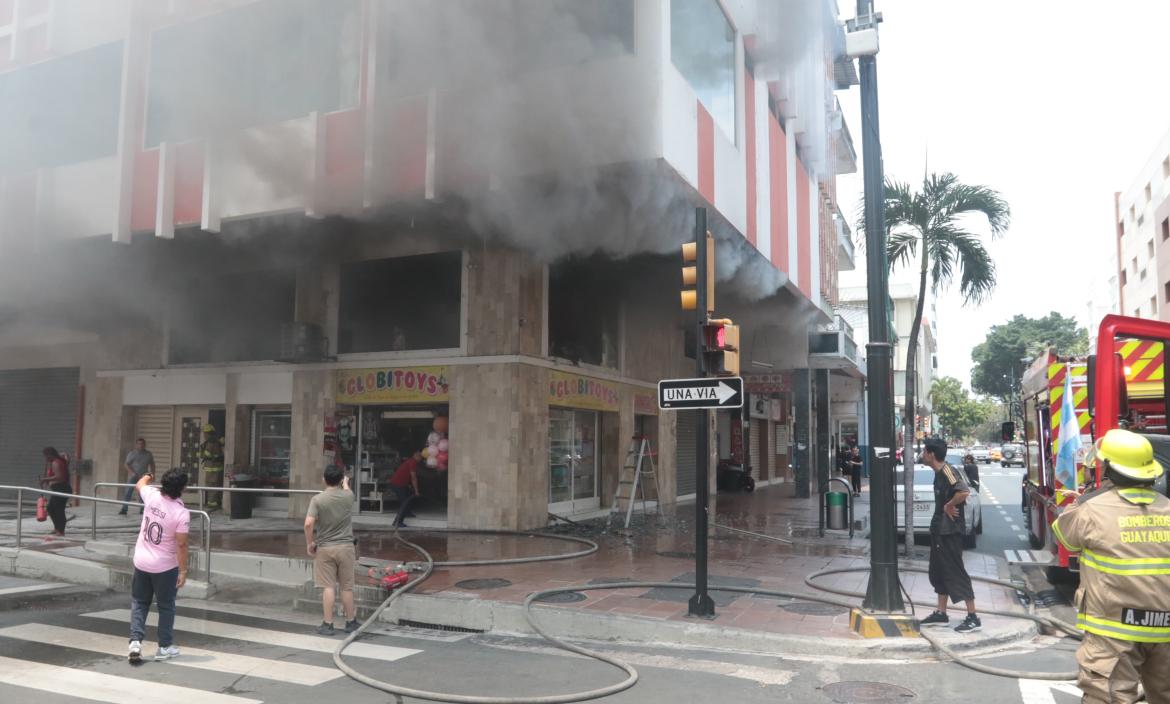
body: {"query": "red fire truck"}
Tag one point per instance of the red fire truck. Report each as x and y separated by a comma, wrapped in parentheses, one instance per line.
(1122, 385)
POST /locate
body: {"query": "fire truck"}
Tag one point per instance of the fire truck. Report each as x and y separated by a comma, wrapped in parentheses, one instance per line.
(1122, 385)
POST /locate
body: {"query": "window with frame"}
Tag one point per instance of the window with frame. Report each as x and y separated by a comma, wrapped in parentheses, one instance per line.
(1124, 278)
(231, 318)
(1166, 229)
(1150, 248)
(702, 48)
(272, 446)
(584, 309)
(401, 303)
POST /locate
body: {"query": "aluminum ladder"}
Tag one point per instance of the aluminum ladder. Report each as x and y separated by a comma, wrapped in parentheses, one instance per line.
(638, 467)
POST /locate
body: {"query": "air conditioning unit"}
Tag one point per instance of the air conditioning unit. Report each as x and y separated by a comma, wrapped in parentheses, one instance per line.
(302, 342)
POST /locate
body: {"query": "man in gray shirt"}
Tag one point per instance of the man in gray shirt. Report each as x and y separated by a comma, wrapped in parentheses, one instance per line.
(329, 541)
(139, 461)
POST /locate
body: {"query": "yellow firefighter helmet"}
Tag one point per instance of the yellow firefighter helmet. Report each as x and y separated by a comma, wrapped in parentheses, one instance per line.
(209, 428)
(1129, 454)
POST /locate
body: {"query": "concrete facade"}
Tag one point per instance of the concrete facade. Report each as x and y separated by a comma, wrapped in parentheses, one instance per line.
(1143, 239)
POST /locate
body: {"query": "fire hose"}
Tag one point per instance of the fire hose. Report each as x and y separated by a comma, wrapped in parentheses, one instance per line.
(427, 566)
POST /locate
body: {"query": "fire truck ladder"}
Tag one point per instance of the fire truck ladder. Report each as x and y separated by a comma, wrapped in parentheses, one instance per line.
(639, 467)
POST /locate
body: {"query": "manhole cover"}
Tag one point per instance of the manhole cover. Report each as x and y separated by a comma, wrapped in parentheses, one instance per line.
(679, 554)
(490, 583)
(857, 692)
(812, 608)
(562, 598)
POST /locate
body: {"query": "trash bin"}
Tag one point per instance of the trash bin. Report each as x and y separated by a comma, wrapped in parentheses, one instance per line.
(837, 510)
(242, 501)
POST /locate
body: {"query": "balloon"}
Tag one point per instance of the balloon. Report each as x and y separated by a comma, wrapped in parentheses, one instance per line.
(432, 462)
(426, 452)
(442, 457)
(433, 439)
(443, 445)
(440, 425)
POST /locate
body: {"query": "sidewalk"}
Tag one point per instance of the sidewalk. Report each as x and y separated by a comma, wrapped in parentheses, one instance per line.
(658, 549)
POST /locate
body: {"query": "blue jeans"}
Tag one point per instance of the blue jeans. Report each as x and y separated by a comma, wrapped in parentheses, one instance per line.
(129, 496)
(405, 495)
(162, 588)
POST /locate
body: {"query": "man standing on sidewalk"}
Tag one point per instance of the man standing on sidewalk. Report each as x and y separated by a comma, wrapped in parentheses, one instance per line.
(160, 561)
(331, 518)
(139, 463)
(948, 574)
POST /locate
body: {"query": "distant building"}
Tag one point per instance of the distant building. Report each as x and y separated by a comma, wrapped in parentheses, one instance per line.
(1142, 218)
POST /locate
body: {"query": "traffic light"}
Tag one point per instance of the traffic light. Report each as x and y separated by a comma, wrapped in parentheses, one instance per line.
(693, 265)
(721, 348)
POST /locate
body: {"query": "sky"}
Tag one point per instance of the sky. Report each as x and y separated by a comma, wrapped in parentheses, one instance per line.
(1057, 105)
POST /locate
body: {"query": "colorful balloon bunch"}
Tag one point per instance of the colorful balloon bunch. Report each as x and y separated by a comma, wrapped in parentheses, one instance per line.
(437, 445)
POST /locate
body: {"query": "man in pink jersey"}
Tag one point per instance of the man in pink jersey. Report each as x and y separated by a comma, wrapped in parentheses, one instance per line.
(160, 561)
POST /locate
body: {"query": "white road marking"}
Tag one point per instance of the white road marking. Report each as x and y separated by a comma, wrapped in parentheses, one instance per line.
(96, 686)
(1040, 691)
(310, 675)
(313, 643)
(48, 586)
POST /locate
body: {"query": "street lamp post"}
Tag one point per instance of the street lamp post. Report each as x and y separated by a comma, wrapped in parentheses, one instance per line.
(883, 592)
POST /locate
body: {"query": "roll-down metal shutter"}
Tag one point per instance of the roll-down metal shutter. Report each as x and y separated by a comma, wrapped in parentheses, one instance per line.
(688, 423)
(38, 409)
(156, 425)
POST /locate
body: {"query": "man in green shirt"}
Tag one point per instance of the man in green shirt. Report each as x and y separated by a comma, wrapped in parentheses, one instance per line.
(329, 541)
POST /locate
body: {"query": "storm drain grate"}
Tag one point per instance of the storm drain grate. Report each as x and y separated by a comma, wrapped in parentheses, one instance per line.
(858, 692)
(812, 608)
(488, 583)
(424, 626)
(562, 598)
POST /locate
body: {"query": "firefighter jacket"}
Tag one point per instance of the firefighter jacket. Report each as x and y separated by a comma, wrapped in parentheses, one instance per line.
(1123, 536)
(211, 454)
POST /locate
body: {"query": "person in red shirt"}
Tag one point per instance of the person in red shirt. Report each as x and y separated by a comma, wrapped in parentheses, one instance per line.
(56, 479)
(404, 484)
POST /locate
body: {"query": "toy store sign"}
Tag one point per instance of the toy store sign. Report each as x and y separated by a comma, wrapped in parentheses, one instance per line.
(392, 385)
(582, 392)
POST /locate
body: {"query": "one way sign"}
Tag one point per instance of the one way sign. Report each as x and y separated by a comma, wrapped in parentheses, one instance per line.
(713, 392)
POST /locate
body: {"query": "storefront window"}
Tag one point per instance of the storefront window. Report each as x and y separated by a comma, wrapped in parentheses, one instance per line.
(702, 48)
(583, 312)
(404, 303)
(573, 459)
(270, 454)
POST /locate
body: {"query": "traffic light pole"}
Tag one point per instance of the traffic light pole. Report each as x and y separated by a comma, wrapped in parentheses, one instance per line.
(883, 593)
(701, 603)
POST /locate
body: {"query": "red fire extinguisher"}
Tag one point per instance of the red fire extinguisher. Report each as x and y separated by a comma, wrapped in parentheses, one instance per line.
(42, 508)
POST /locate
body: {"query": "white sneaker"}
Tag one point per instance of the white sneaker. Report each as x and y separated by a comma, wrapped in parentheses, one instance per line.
(171, 651)
(135, 655)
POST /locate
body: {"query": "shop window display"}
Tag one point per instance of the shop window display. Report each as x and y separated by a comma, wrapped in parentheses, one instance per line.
(273, 433)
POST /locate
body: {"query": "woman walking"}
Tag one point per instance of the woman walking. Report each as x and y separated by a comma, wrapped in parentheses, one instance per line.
(160, 561)
(56, 479)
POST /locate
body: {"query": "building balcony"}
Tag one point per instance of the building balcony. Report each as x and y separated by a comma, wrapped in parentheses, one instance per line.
(832, 347)
(844, 156)
(846, 253)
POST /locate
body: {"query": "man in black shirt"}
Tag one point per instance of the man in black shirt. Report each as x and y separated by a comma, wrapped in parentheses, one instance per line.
(948, 574)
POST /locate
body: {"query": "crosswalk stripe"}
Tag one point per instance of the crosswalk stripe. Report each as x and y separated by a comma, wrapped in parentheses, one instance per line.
(310, 675)
(33, 588)
(317, 644)
(98, 686)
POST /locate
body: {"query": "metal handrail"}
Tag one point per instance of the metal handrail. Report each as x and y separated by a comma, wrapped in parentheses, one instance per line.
(46, 492)
(204, 489)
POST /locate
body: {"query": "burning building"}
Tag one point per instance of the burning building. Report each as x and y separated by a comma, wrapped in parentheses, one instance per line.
(347, 230)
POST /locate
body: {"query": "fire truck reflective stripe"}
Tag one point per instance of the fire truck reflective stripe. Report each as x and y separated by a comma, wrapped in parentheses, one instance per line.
(1063, 541)
(1136, 567)
(1138, 496)
(1116, 629)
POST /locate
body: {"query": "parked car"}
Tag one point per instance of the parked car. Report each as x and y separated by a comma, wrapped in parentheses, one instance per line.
(982, 454)
(996, 454)
(924, 503)
(1013, 456)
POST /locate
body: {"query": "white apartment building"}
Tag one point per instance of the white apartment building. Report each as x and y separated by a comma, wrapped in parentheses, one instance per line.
(1143, 239)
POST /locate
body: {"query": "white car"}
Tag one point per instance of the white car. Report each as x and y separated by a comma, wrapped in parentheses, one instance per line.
(924, 504)
(981, 452)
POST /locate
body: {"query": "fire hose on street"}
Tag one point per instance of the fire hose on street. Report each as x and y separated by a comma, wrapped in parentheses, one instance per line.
(427, 566)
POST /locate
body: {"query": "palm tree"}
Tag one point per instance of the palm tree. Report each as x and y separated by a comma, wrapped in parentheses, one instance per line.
(931, 225)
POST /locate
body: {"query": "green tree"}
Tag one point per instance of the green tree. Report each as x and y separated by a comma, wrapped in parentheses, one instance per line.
(958, 413)
(992, 413)
(930, 225)
(999, 360)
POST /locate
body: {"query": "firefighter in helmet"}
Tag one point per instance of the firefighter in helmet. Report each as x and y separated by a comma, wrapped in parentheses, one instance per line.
(211, 461)
(1122, 532)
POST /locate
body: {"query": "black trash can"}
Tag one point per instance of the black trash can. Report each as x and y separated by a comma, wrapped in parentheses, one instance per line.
(243, 501)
